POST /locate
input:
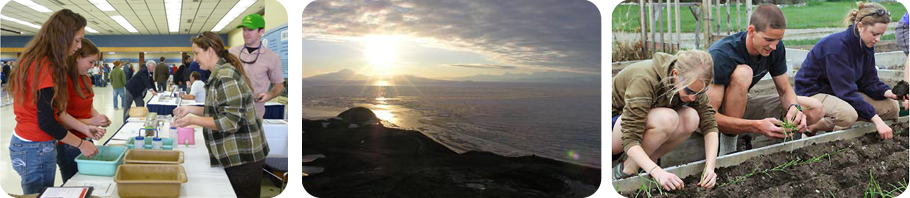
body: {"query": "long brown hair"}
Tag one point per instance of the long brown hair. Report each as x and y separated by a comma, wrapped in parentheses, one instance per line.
(50, 46)
(88, 49)
(211, 41)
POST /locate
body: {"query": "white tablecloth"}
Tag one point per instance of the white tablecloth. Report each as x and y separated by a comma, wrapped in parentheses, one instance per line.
(203, 180)
(276, 133)
(173, 101)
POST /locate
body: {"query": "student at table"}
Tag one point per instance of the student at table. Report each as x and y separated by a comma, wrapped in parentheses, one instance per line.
(80, 116)
(840, 71)
(38, 86)
(197, 92)
(232, 129)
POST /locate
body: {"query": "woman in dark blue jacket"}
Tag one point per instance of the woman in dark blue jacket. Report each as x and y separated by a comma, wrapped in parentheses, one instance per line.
(840, 71)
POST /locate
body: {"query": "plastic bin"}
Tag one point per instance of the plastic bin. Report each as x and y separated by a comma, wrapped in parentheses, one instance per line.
(149, 180)
(168, 143)
(143, 156)
(103, 164)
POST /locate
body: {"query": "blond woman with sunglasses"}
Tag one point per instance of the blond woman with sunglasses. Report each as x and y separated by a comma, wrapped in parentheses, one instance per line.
(657, 104)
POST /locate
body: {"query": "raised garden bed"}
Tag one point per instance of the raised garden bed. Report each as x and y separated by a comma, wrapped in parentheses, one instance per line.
(843, 168)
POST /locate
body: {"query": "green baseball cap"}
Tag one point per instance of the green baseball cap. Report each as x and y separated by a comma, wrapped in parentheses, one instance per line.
(253, 21)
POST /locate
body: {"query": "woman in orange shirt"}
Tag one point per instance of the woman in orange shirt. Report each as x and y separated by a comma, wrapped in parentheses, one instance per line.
(80, 116)
(38, 87)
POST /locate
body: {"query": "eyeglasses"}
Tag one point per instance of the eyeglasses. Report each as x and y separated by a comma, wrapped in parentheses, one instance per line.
(877, 12)
(693, 92)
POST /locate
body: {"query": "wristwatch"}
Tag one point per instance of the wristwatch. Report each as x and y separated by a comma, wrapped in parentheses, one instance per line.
(798, 107)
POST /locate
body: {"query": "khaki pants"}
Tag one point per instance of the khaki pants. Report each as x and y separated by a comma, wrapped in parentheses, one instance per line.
(758, 107)
(842, 115)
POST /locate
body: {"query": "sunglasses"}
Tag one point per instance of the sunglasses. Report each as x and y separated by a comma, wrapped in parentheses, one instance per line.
(693, 92)
(202, 35)
(877, 12)
(257, 54)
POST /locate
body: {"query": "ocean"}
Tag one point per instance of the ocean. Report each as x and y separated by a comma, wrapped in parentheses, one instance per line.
(556, 121)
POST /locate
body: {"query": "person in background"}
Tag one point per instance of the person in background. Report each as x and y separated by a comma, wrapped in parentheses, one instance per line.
(118, 81)
(233, 133)
(840, 71)
(262, 65)
(6, 70)
(96, 75)
(161, 75)
(137, 86)
(194, 67)
(901, 33)
(39, 88)
(80, 116)
(179, 77)
(198, 93)
(128, 71)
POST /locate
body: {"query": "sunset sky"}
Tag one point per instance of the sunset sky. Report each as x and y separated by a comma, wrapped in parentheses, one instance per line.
(449, 39)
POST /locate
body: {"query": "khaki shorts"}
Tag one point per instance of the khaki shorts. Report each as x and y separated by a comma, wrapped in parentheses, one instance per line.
(761, 107)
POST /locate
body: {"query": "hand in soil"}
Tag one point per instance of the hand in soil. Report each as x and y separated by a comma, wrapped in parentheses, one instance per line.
(884, 131)
(668, 181)
(708, 179)
(769, 127)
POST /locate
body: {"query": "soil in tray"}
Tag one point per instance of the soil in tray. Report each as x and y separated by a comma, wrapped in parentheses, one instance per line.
(844, 174)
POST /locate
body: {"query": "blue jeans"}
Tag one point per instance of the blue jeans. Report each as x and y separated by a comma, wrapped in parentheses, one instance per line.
(119, 92)
(97, 80)
(66, 159)
(161, 86)
(34, 161)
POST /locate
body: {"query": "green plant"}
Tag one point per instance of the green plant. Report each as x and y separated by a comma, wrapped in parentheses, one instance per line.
(646, 187)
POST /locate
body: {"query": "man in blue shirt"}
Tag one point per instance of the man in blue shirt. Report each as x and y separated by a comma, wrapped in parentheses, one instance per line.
(901, 33)
(741, 60)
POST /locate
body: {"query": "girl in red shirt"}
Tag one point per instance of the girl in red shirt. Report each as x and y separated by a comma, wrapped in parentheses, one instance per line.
(80, 116)
(38, 87)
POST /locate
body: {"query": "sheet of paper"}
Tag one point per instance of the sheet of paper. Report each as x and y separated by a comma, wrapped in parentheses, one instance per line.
(65, 192)
(102, 188)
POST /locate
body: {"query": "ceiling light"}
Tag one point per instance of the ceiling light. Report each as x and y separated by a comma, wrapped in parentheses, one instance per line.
(4, 17)
(238, 9)
(88, 29)
(172, 10)
(102, 5)
(126, 24)
(34, 6)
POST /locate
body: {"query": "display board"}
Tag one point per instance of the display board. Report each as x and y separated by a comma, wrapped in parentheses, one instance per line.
(276, 39)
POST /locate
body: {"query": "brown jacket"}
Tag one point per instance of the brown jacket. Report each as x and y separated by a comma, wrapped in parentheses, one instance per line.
(638, 88)
(161, 73)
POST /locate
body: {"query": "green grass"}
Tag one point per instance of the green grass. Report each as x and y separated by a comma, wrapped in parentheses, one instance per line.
(886, 37)
(815, 15)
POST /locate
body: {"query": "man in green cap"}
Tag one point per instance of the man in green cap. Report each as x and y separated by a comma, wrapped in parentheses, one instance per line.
(262, 65)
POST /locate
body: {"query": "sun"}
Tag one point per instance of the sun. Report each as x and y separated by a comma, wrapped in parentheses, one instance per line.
(381, 53)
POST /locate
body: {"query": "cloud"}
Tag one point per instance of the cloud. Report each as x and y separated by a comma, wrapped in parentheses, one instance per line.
(555, 35)
(485, 66)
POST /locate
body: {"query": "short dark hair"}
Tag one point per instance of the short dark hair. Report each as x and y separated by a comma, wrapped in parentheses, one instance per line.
(768, 16)
(162, 59)
(196, 75)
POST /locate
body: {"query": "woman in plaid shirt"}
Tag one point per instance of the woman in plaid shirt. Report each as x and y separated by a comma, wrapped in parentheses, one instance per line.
(233, 131)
